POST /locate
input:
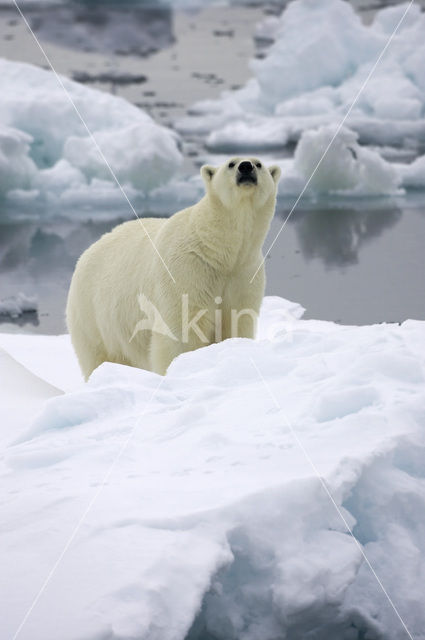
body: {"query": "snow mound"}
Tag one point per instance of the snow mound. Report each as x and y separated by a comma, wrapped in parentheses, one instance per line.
(46, 151)
(15, 306)
(211, 522)
(320, 59)
(50, 358)
(15, 413)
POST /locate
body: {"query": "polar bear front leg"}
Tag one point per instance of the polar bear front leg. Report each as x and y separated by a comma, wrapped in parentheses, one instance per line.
(243, 323)
(243, 305)
(197, 330)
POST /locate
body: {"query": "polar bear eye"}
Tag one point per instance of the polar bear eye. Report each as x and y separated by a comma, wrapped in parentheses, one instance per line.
(231, 165)
(258, 165)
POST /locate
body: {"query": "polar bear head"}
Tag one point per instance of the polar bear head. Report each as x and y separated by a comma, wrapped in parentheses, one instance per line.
(241, 179)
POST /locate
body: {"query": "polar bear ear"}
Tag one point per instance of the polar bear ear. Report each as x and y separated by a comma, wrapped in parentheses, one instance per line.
(207, 173)
(275, 173)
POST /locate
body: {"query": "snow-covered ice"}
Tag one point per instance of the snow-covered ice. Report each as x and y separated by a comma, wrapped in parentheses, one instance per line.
(47, 154)
(211, 522)
(321, 57)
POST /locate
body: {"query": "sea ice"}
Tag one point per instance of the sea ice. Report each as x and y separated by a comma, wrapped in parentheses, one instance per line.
(318, 65)
(204, 493)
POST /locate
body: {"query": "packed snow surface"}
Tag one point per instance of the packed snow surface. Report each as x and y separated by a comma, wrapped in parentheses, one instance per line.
(196, 506)
(47, 152)
(316, 68)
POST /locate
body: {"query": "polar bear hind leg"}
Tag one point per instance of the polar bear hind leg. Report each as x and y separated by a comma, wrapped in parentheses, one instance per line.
(90, 354)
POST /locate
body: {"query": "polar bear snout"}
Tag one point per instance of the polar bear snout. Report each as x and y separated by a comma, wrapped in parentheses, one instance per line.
(246, 173)
(246, 167)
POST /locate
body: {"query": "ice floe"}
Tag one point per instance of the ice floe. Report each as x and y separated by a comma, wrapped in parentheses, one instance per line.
(214, 519)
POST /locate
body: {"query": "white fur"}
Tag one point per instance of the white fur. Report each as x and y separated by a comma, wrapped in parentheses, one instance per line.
(212, 249)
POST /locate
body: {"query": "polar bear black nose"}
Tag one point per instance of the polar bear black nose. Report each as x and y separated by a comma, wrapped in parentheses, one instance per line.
(246, 167)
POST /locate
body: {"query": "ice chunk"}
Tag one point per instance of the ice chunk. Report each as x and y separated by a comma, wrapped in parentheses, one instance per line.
(245, 136)
(319, 44)
(413, 174)
(345, 167)
(50, 151)
(15, 306)
(139, 155)
(16, 167)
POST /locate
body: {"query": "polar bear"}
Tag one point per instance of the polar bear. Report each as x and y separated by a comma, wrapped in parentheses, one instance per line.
(157, 287)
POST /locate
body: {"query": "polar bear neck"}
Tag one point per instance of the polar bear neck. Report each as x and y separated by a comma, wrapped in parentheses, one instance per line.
(231, 237)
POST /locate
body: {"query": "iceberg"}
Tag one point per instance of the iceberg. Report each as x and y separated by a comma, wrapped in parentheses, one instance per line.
(48, 153)
(245, 495)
